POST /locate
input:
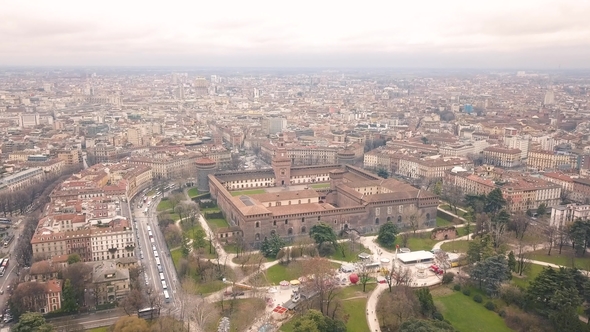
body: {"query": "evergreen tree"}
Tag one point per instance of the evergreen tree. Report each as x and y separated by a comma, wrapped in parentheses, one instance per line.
(271, 247)
(69, 303)
(387, 234)
(512, 261)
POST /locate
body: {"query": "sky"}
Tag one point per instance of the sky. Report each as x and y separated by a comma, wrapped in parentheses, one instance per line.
(519, 34)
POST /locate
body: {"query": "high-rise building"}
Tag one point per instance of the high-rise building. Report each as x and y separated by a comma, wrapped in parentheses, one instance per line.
(201, 86)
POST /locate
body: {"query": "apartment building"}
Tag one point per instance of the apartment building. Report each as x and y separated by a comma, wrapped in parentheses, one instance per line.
(565, 181)
(166, 165)
(563, 215)
(520, 191)
(429, 168)
(502, 157)
(549, 160)
(581, 191)
(112, 242)
(71, 157)
(22, 179)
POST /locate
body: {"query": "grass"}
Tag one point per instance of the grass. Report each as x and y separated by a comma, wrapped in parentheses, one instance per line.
(279, 272)
(467, 315)
(248, 192)
(210, 209)
(456, 246)
(193, 192)
(349, 255)
(176, 255)
(99, 329)
(320, 185)
(528, 276)
(217, 223)
(441, 222)
(418, 241)
(565, 259)
(164, 205)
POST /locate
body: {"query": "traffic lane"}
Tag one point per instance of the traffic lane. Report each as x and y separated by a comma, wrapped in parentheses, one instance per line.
(163, 252)
(89, 320)
(147, 252)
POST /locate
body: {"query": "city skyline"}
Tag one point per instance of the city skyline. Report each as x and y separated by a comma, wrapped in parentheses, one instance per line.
(421, 34)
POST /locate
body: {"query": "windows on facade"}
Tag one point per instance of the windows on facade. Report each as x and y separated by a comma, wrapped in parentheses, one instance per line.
(257, 224)
(389, 209)
(290, 231)
(377, 211)
(399, 219)
(257, 237)
(273, 233)
(303, 229)
(376, 221)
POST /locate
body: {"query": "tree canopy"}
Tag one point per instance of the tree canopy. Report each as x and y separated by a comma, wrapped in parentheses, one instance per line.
(74, 258)
(322, 233)
(32, 321)
(491, 272)
(421, 325)
(271, 247)
(387, 234)
(314, 321)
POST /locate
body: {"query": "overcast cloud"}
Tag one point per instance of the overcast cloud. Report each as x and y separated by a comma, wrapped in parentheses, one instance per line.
(417, 33)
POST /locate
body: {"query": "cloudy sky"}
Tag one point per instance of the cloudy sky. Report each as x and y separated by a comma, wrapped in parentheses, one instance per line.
(524, 34)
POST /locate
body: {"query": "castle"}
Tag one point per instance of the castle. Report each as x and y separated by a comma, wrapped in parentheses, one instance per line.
(288, 201)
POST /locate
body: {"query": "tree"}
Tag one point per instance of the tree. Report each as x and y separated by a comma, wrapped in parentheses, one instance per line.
(322, 233)
(133, 302)
(323, 284)
(519, 224)
(497, 226)
(511, 261)
(494, 201)
(490, 273)
(542, 210)
(79, 274)
(453, 195)
(74, 258)
(427, 307)
(579, 233)
(413, 217)
(32, 322)
(383, 173)
(69, 303)
(131, 324)
(387, 234)
(480, 249)
(395, 307)
(364, 274)
(313, 321)
(271, 247)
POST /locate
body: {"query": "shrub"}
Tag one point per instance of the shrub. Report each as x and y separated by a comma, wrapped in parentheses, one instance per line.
(512, 295)
(448, 278)
(502, 313)
(466, 292)
(477, 298)
(438, 316)
(490, 305)
(457, 287)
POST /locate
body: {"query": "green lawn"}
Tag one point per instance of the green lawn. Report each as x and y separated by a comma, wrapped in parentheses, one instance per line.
(349, 255)
(566, 258)
(467, 315)
(320, 185)
(193, 192)
(164, 205)
(441, 222)
(419, 241)
(99, 329)
(248, 192)
(456, 246)
(176, 255)
(211, 209)
(217, 223)
(279, 272)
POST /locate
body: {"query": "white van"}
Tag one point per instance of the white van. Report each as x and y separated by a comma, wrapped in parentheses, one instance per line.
(164, 285)
(162, 276)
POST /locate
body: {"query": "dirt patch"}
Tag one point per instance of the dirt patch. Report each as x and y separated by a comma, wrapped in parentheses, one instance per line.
(441, 291)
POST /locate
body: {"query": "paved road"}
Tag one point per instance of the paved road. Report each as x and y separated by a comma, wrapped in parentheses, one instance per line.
(89, 321)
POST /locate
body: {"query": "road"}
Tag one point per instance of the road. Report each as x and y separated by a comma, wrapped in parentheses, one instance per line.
(10, 275)
(89, 321)
(141, 222)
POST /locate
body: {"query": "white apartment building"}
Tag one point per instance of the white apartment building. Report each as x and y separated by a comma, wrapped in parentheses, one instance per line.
(563, 215)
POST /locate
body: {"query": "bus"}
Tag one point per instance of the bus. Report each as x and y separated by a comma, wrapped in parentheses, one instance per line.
(166, 296)
(162, 277)
(152, 240)
(5, 263)
(155, 254)
(157, 261)
(2, 269)
(8, 240)
(150, 233)
(148, 313)
(164, 286)
(5, 221)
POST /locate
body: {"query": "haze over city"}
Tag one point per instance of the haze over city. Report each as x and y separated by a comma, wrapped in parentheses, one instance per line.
(546, 34)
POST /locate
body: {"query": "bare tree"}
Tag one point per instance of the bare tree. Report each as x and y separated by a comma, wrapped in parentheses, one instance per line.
(413, 216)
(323, 283)
(453, 195)
(519, 224)
(133, 302)
(550, 234)
(364, 274)
(396, 307)
(398, 275)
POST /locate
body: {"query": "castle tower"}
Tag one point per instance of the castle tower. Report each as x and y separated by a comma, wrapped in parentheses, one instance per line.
(205, 166)
(281, 164)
